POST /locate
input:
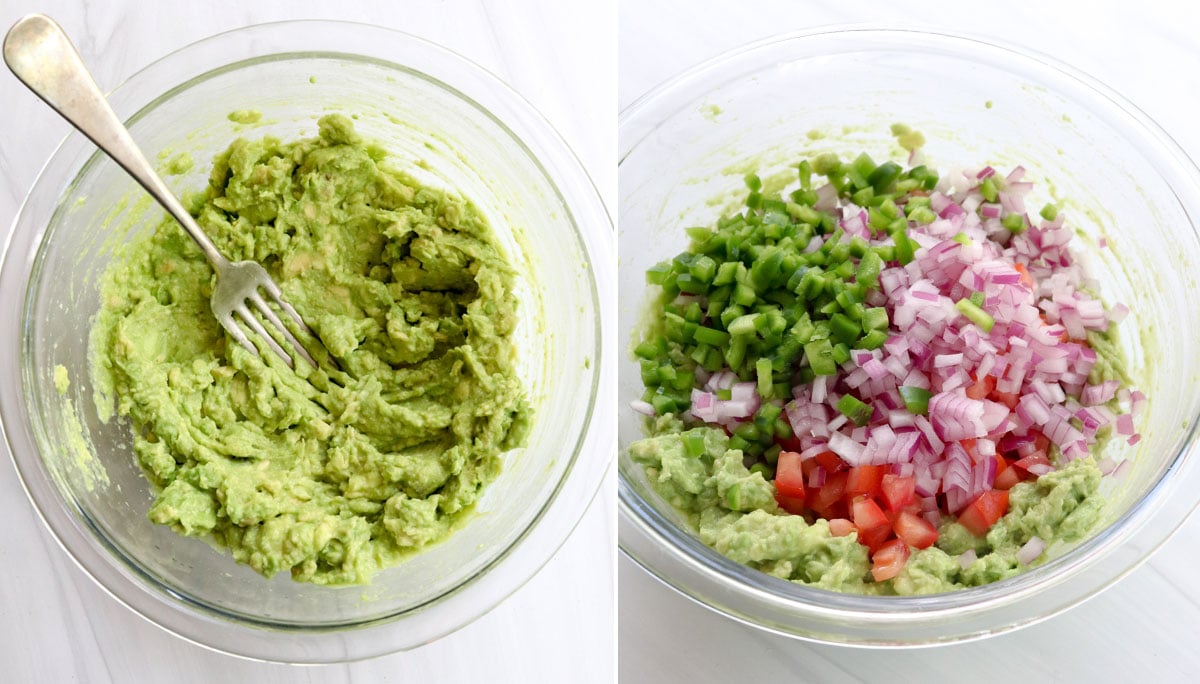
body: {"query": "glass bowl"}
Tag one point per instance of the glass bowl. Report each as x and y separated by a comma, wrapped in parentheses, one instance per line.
(450, 123)
(684, 149)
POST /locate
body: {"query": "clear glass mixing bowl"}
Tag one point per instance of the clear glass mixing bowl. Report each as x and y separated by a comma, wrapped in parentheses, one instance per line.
(452, 124)
(683, 151)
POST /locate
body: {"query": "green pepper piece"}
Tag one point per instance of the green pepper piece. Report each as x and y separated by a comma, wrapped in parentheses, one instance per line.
(916, 399)
(854, 409)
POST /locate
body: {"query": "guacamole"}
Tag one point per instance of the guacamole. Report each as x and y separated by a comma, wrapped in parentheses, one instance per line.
(734, 511)
(335, 472)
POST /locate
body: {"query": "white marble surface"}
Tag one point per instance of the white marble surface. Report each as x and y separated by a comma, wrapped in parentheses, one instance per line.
(55, 624)
(1142, 629)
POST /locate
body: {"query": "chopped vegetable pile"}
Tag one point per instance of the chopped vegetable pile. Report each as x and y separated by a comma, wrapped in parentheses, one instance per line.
(893, 350)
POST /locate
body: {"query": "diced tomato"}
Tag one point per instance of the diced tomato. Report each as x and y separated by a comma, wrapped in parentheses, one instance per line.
(791, 504)
(789, 482)
(873, 526)
(1026, 279)
(982, 387)
(1041, 442)
(1007, 479)
(1009, 399)
(840, 527)
(1036, 458)
(979, 515)
(914, 530)
(864, 480)
(898, 491)
(831, 462)
(968, 446)
(867, 513)
(789, 477)
(876, 536)
(792, 443)
(829, 495)
(806, 467)
(889, 559)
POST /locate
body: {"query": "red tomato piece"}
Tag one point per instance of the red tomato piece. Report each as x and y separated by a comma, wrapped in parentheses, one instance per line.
(792, 443)
(982, 387)
(875, 537)
(791, 504)
(873, 526)
(828, 495)
(864, 480)
(968, 446)
(914, 530)
(1036, 458)
(867, 514)
(831, 462)
(789, 476)
(979, 515)
(889, 560)
(898, 491)
(1041, 442)
(1026, 279)
(1007, 479)
(840, 527)
(1009, 399)
(1006, 475)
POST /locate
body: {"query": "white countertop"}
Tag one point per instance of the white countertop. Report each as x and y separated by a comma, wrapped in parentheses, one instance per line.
(56, 625)
(1142, 629)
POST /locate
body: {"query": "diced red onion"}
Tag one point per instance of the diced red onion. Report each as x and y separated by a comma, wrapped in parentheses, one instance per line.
(967, 558)
(849, 450)
(1030, 551)
(642, 407)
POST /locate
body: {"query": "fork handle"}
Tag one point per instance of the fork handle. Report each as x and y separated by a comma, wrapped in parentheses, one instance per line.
(41, 55)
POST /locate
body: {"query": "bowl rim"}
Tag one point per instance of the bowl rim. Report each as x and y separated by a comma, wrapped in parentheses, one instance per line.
(530, 550)
(680, 561)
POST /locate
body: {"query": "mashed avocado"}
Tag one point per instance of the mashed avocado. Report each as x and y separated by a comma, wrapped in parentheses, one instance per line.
(733, 510)
(329, 473)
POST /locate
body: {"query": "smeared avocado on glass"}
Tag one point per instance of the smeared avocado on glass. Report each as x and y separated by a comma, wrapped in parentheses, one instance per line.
(334, 473)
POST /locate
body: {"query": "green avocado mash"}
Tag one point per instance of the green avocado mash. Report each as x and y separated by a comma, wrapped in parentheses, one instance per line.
(733, 510)
(337, 472)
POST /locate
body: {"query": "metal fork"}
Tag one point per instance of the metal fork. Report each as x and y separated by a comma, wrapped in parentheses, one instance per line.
(38, 51)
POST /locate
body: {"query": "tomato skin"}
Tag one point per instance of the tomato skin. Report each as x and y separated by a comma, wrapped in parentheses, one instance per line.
(889, 560)
(789, 475)
(914, 530)
(898, 491)
(864, 480)
(979, 515)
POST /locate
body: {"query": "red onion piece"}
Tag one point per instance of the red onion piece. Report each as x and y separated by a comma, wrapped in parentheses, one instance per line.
(1031, 550)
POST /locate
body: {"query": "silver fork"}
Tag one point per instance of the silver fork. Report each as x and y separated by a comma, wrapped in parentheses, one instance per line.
(38, 51)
